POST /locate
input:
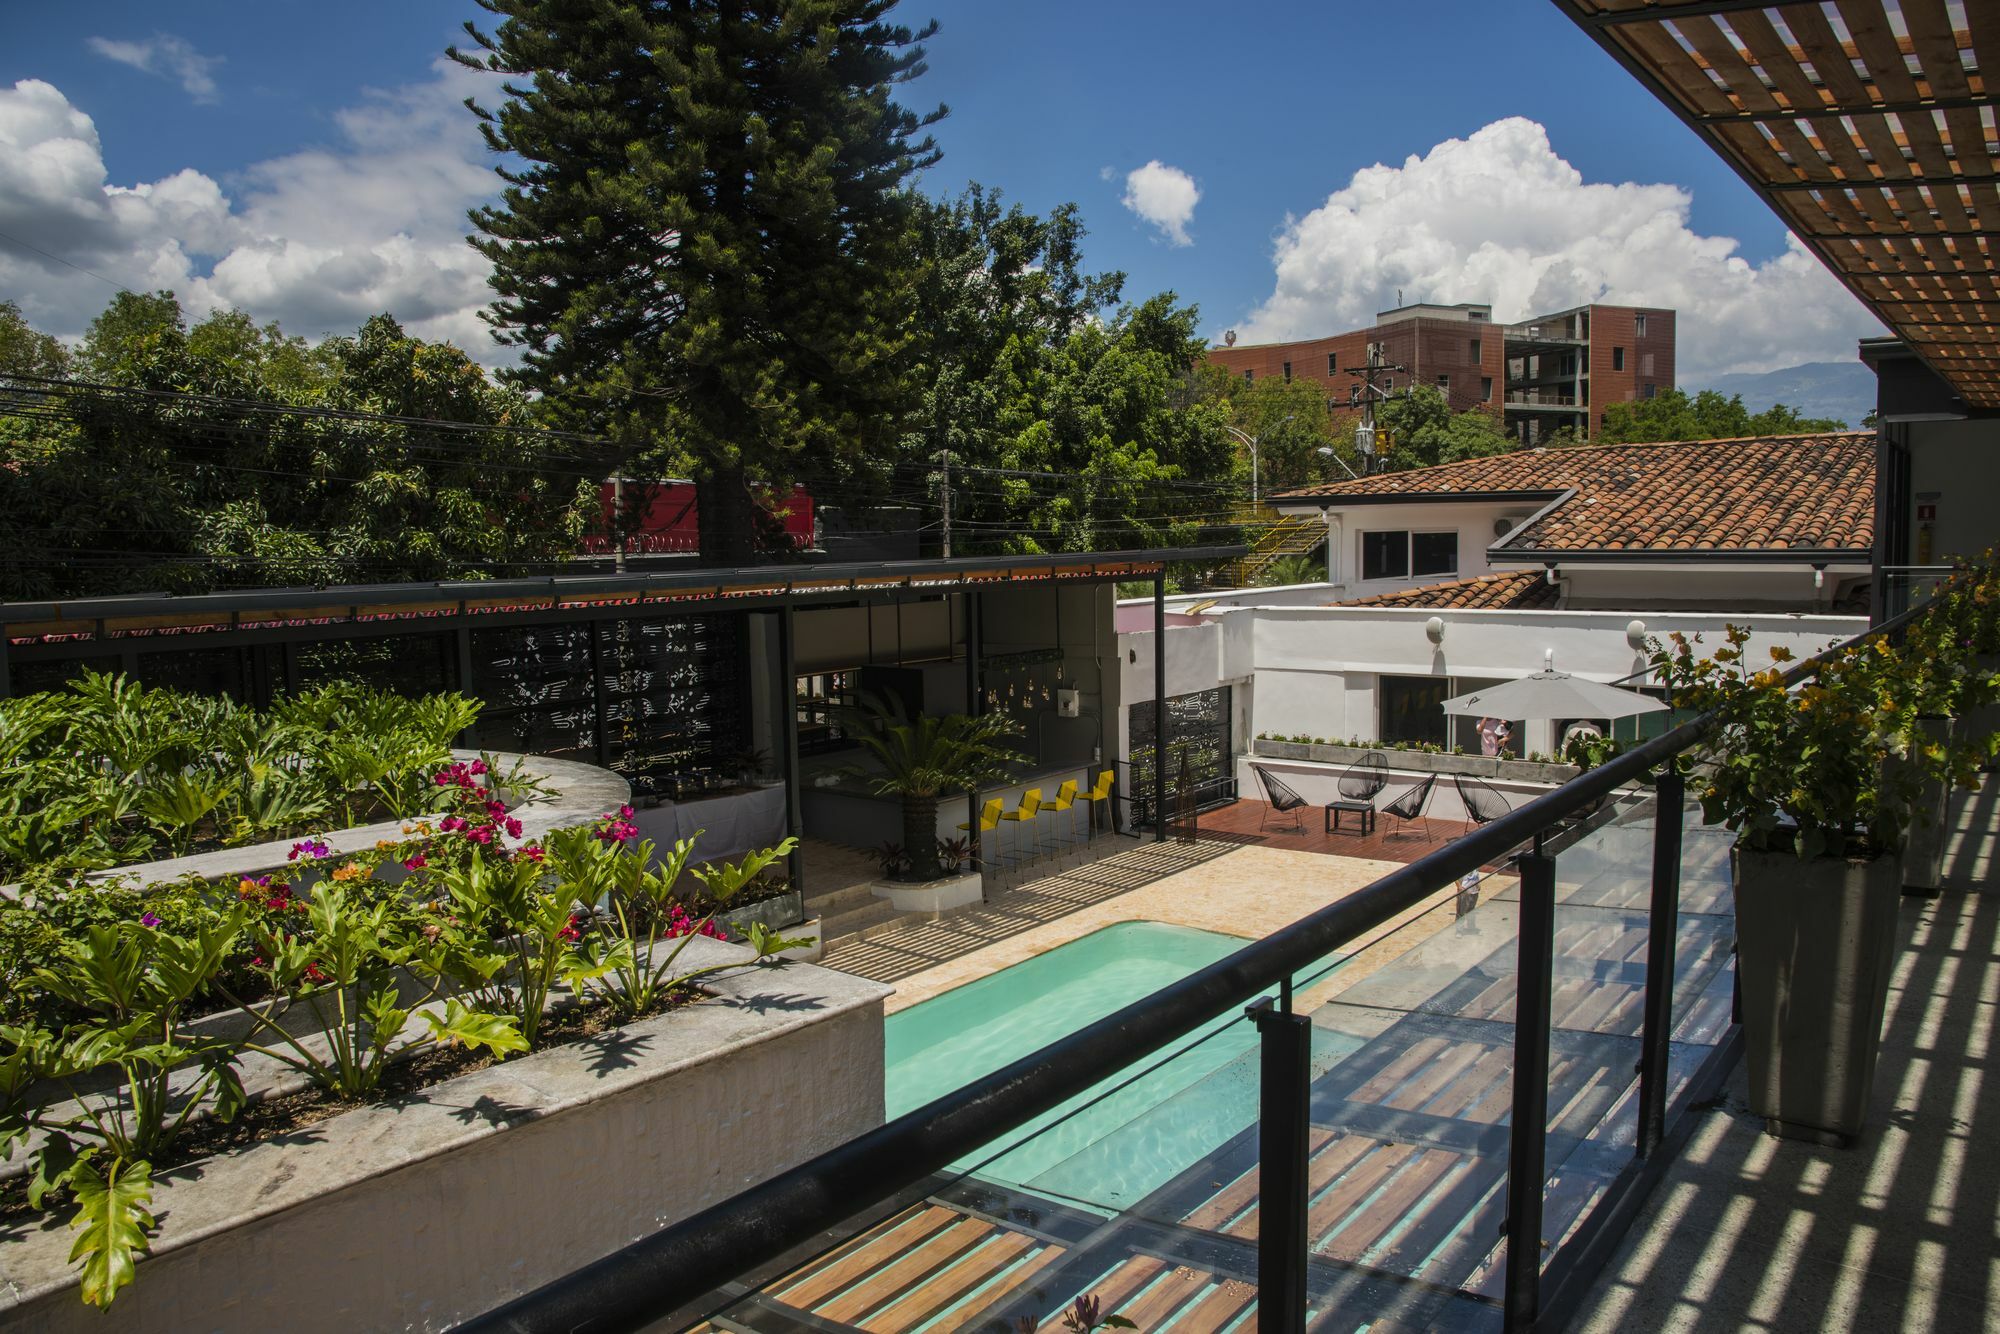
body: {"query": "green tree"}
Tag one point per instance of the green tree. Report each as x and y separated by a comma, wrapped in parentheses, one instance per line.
(224, 455)
(1673, 414)
(1290, 421)
(702, 247)
(25, 350)
(1423, 430)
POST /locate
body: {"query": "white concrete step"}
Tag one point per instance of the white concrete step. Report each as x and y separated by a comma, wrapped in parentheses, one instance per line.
(861, 922)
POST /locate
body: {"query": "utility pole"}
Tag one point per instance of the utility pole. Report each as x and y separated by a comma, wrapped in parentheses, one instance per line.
(944, 492)
(618, 520)
(1364, 396)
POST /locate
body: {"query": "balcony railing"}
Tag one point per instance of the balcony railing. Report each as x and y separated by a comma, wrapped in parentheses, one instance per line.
(1568, 1189)
(1534, 398)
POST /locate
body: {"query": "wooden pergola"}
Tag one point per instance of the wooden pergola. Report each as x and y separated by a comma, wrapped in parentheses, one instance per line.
(1868, 126)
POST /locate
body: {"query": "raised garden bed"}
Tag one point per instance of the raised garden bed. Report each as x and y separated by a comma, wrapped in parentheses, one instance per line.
(1419, 761)
(421, 1212)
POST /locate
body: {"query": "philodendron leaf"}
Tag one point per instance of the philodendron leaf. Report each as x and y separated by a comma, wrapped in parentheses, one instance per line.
(767, 942)
(475, 1028)
(50, 1169)
(111, 1211)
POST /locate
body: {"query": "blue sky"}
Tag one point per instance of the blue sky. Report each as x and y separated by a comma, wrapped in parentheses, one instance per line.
(313, 170)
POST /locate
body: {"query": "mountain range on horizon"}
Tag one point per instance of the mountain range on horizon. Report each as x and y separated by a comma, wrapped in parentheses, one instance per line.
(1842, 390)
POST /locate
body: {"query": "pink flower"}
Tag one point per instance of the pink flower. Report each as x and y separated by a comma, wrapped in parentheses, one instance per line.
(477, 767)
(533, 852)
(310, 847)
(496, 809)
(483, 834)
(416, 863)
(451, 824)
(149, 919)
(513, 828)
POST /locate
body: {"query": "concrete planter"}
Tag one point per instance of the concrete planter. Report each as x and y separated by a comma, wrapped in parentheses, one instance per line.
(934, 897)
(1419, 761)
(422, 1213)
(1535, 771)
(1924, 845)
(1286, 750)
(784, 910)
(1816, 943)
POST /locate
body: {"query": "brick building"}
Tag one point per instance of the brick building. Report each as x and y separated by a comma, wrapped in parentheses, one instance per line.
(1542, 374)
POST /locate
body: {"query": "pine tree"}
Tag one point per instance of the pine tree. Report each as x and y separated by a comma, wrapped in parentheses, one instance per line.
(706, 253)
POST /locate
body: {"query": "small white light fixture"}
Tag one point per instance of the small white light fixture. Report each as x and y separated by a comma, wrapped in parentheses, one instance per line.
(1635, 633)
(1550, 571)
(1819, 577)
(1434, 629)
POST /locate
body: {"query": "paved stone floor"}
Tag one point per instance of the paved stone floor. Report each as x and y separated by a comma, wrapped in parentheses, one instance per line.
(1900, 1232)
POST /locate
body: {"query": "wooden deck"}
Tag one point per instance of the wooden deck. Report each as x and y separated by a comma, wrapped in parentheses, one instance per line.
(1409, 1115)
(1304, 830)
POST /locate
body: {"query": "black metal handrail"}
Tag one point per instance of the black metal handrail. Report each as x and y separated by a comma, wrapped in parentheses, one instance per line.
(675, 1267)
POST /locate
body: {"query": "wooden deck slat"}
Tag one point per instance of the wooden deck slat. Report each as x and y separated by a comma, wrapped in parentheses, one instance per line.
(1241, 1193)
(1405, 1191)
(1354, 1186)
(1405, 1064)
(1121, 1284)
(1012, 1285)
(884, 1285)
(853, 1261)
(1323, 1169)
(1178, 1288)
(943, 1290)
(1449, 1065)
(1224, 1302)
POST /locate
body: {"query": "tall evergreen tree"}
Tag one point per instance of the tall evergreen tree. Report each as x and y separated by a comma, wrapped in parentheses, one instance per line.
(704, 251)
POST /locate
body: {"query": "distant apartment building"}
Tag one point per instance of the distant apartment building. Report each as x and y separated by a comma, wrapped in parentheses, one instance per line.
(1539, 376)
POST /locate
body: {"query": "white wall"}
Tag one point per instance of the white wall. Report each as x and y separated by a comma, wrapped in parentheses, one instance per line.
(1587, 586)
(1473, 521)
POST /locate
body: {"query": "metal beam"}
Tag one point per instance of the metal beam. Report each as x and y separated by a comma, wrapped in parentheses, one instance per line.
(1160, 707)
(788, 724)
(1913, 107)
(1660, 13)
(1888, 183)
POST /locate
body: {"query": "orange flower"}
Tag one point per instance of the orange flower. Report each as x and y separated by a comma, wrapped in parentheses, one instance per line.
(350, 871)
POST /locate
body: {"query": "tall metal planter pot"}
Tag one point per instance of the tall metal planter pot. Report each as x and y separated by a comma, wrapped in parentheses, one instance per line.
(1924, 842)
(1815, 942)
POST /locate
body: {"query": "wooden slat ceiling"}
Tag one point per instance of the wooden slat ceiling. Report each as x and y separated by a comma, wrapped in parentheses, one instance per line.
(1869, 126)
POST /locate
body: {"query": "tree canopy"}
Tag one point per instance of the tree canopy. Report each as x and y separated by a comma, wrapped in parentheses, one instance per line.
(702, 247)
(1073, 422)
(1423, 430)
(1674, 415)
(227, 454)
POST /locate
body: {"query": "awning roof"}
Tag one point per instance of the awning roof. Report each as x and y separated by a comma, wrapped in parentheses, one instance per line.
(161, 615)
(1868, 126)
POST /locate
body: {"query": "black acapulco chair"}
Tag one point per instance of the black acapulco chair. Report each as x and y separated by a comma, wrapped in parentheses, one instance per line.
(1410, 803)
(1278, 796)
(1483, 803)
(1359, 787)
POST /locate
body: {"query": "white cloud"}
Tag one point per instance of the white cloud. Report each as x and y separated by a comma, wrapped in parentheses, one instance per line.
(167, 56)
(1164, 196)
(1500, 217)
(318, 240)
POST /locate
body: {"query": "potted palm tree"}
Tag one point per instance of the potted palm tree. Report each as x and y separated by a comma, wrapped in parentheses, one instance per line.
(925, 759)
(1800, 774)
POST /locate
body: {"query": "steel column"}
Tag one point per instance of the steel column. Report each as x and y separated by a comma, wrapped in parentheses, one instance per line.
(1284, 1086)
(1527, 1135)
(788, 724)
(1655, 1036)
(974, 706)
(1160, 707)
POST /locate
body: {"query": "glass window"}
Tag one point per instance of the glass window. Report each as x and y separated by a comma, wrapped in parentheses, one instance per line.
(1412, 709)
(1465, 728)
(1617, 358)
(1444, 383)
(1649, 391)
(1332, 362)
(1249, 377)
(1288, 372)
(1485, 389)
(1475, 350)
(1434, 553)
(1385, 555)
(1639, 325)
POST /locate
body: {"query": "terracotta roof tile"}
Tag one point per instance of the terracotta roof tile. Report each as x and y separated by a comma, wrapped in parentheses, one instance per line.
(1762, 493)
(1510, 590)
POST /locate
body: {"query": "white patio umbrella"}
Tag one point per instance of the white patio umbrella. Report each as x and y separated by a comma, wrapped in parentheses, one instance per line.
(1552, 694)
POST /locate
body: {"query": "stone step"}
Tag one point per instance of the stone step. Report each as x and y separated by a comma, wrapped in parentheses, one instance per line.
(860, 923)
(833, 901)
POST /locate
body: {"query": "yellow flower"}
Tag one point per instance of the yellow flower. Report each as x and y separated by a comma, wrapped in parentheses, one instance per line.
(350, 871)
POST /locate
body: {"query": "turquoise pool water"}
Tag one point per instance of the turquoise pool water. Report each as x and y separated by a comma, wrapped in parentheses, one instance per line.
(1126, 1136)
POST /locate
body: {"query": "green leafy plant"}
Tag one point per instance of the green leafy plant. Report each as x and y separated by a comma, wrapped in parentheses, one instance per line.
(924, 759)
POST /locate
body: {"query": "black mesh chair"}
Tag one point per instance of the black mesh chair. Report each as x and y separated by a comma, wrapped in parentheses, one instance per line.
(1483, 804)
(1410, 803)
(1359, 787)
(1278, 796)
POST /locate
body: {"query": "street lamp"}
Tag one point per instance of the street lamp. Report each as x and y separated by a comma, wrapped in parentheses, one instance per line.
(1327, 452)
(1251, 441)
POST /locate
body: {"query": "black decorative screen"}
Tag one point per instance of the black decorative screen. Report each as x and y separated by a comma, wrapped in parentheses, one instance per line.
(1197, 729)
(662, 701)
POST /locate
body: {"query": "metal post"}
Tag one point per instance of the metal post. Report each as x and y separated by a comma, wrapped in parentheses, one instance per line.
(974, 706)
(1527, 1135)
(1160, 706)
(1659, 1017)
(463, 637)
(1283, 1122)
(788, 724)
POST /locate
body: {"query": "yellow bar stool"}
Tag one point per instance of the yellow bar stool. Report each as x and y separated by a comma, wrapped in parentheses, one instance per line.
(1101, 793)
(1030, 807)
(1065, 802)
(989, 823)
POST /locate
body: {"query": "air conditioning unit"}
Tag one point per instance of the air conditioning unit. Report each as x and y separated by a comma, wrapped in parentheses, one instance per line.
(1069, 703)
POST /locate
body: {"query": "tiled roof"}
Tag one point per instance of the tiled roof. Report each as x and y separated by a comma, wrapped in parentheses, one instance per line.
(1762, 493)
(1510, 590)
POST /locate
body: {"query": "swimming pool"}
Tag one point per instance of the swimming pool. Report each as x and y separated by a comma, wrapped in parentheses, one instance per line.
(1115, 1143)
